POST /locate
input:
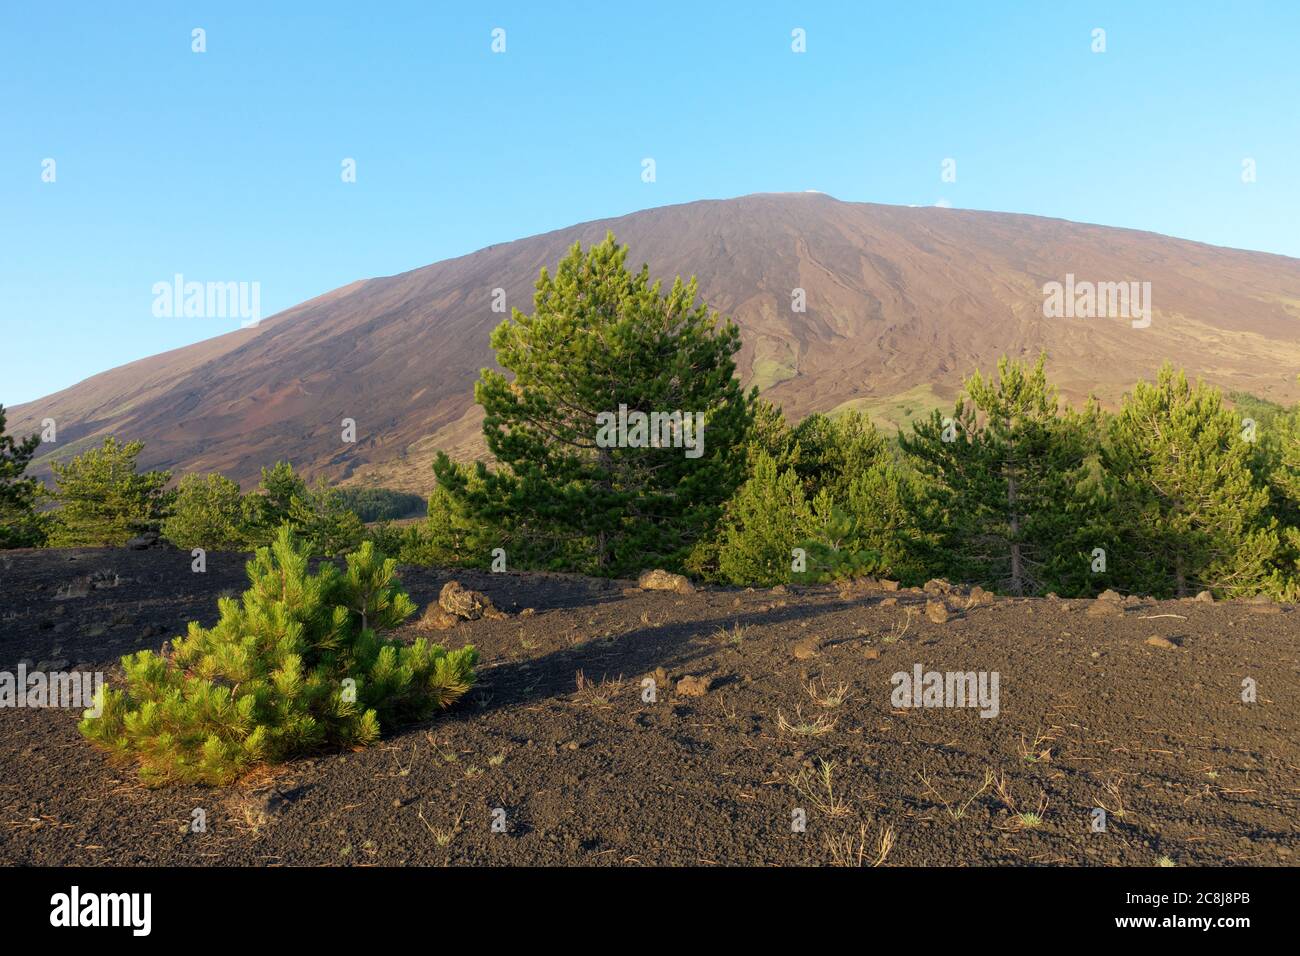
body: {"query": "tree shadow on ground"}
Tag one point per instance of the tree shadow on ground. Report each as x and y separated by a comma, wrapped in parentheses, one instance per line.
(629, 655)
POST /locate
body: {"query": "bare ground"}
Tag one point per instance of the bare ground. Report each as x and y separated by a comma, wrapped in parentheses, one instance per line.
(1091, 716)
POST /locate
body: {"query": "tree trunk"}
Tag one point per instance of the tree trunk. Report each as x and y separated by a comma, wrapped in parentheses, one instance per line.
(603, 546)
(1013, 515)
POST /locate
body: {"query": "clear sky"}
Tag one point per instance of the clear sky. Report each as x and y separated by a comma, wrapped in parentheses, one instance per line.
(225, 165)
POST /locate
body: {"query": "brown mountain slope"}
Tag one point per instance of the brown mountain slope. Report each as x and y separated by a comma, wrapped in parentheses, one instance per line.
(902, 303)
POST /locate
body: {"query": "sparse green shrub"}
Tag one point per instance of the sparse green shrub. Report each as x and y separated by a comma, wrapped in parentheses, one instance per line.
(208, 513)
(300, 663)
(834, 551)
(102, 500)
(764, 522)
(20, 524)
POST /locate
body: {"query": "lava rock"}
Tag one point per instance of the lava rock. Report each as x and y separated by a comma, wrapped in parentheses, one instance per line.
(436, 619)
(936, 611)
(693, 686)
(466, 604)
(806, 649)
(661, 580)
(150, 539)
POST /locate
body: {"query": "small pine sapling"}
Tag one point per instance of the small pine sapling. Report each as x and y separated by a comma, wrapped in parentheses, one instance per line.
(834, 552)
(299, 664)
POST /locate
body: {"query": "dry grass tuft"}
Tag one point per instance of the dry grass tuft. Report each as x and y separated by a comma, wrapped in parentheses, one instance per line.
(827, 697)
(802, 726)
(849, 850)
(734, 635)
(897, 633)
(596, 693)
(818, 788)
(956, 811)
(443, 836)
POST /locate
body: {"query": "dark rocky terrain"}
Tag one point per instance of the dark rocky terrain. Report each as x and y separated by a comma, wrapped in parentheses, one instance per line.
(558, 736)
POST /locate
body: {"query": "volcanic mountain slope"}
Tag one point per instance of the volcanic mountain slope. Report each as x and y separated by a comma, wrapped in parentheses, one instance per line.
(901, 304)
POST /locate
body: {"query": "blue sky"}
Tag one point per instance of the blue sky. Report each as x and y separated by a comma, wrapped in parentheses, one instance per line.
(225, 165)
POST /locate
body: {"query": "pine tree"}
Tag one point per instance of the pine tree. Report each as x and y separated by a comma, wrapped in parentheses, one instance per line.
(442, 540)
(834, 550)
(1004, 473)
(325, 522)
(601, 338)
(208, 513)
(885, 504)
(848, 460)
(448, 537)
(300, 664)
(854, 511)
(271, 505)
(20, 525)
(1273, 432)
(1284, 483)
(1187, 510)
(767, 519)
(102, 500)
(771, 433)
(318, 514)
(828, 454)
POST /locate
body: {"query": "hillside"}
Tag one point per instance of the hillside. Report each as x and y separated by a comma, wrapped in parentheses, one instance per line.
(902, 303)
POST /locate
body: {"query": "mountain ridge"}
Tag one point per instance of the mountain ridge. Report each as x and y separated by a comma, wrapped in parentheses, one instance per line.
(902, 303)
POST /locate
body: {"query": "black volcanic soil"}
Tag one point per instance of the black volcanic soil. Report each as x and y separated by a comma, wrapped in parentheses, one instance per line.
(1091, 716)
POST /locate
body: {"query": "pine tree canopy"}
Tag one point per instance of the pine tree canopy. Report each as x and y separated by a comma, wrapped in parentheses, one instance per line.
(103, 500)
(601, 339)
(1186, 505)
(20, 526)
(1005, 473)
